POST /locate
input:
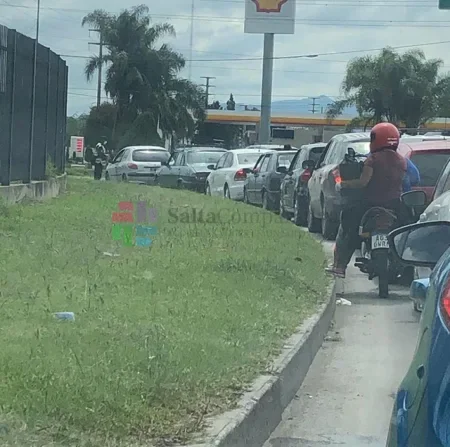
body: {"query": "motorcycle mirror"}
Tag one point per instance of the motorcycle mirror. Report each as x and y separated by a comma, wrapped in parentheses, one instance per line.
(420, 244)
(351, 152)
(414, 198)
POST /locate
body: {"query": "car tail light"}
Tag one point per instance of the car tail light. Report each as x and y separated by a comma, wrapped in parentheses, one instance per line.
(304, 178)
(445, 305)
(132, 166)
(240, 175)
(336, 175)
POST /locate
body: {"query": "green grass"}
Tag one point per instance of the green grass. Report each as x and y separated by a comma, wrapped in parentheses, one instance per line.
(79, 171)
(163, 336)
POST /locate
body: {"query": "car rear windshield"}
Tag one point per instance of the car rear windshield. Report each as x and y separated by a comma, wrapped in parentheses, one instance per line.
(361, 147)
(248, 159)
(315, 153)
(203, 157)
(429, 165)
(149, 155)
(285, 159)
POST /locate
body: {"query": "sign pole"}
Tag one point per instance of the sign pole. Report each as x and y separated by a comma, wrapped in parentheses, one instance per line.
(266, 89)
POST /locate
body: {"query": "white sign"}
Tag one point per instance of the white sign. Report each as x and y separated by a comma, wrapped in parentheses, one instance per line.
(269, 16)
(77, 145)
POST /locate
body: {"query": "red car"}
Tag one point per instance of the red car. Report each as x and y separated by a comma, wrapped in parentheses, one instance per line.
(429, 157)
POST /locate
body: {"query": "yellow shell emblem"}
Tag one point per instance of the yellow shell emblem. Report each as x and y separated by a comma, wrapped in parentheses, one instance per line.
(269, 5)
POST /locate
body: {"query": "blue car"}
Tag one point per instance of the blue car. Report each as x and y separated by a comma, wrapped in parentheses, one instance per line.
(421, 414)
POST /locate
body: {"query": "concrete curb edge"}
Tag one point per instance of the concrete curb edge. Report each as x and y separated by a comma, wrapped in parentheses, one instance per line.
(260, 410)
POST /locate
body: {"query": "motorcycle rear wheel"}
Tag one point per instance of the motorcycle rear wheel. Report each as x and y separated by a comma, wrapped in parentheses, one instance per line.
(380, 261)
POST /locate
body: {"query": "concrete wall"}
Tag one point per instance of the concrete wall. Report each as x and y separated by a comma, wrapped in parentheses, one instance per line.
(39, 190)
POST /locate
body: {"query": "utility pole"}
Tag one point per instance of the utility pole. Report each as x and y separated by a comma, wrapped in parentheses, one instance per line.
(266, 89)
(33, 95)
(191, 40)
(207, 87)
(313, 105)
(100, 56)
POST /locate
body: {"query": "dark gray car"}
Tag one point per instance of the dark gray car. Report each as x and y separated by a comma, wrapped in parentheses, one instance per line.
(325, 203)
(188, 168)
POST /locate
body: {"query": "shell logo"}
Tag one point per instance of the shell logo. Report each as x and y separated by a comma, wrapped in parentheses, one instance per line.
(269, 5)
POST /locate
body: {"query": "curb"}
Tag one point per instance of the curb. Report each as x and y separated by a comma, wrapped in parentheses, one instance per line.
(261, 409)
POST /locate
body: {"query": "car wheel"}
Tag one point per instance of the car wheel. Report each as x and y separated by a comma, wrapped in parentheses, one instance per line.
(313, 222)
(300, 216)
(208, 190)
(329, 229)
(226, 192)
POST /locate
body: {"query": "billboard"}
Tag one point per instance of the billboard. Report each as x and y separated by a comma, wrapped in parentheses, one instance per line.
(77, 145)
(269, 16)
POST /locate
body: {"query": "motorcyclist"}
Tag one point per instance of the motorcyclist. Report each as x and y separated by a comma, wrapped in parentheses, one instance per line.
(382, 177)
(99, 160)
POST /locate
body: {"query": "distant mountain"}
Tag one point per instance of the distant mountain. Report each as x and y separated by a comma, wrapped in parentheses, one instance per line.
(298, 106)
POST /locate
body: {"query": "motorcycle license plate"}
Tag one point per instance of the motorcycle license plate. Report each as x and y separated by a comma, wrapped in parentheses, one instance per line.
(379, 241)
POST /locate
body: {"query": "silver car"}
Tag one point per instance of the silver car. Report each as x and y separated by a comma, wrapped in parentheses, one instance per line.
(137, 164)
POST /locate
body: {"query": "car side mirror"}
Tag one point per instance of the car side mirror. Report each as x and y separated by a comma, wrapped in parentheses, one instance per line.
(420, 244)
(247, 170)
(308, 164)
(282, 170)
(211, 167)
(414, 199)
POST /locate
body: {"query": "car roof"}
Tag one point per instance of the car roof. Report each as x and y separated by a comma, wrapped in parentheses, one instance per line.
(420, 145)
(201, 148)
(248, 150)
(270, 147)
(355, 136)
(314, 145)
(146, 148)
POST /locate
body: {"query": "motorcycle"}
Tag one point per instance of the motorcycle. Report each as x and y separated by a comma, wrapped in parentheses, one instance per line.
(376, 259)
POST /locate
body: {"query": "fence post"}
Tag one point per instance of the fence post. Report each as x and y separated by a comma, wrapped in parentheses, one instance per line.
(56, 118)
(12, 109)
(66, 85)
(47, 101)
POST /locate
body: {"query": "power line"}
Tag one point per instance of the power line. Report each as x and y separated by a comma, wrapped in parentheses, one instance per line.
(300, 56)
(339, 22)
(244, 94)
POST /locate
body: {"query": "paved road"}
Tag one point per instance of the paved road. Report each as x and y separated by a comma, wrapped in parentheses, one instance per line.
(347, 397)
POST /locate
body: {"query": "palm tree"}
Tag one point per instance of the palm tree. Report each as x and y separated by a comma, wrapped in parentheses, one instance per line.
(142, 78)
(393, 87)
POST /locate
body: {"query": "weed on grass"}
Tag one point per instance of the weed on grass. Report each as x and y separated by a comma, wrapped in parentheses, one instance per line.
(163, 336)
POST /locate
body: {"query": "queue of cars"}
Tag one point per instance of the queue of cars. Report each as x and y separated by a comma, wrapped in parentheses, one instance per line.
(300, 184)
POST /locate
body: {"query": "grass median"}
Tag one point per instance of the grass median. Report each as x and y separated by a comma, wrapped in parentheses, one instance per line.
(163, 335)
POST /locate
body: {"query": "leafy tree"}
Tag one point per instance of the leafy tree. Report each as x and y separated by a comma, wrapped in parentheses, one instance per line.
(142, 76)
(400, 88)
(231, 105)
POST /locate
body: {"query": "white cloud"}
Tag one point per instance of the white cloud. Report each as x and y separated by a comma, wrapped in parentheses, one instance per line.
(218, 34)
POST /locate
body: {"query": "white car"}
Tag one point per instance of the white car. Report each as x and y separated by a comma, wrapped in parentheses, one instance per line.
(138, 164)
(438, 209)
(228, 177)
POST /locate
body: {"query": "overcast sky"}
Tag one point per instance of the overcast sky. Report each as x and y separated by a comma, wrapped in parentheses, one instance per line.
(323, 26)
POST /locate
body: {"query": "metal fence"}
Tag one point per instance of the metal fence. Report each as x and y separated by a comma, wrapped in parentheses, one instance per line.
(19, 159)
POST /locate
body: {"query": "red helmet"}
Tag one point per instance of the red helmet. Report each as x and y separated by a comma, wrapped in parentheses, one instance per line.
(384, 136)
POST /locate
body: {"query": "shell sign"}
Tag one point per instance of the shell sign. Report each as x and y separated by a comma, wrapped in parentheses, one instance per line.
(270, 16)
(269, 5)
